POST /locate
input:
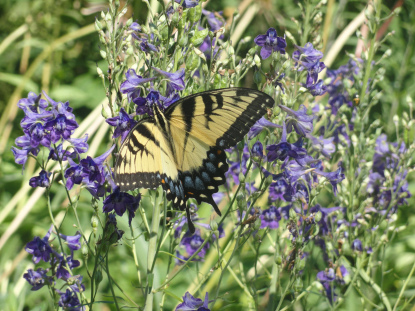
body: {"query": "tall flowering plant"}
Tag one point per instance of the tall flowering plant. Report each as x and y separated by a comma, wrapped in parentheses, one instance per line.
(312, 192)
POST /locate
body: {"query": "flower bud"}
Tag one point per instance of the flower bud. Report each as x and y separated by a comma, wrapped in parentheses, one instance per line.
(318, 216)
(98, 25)
(129, 22)
(84, 250)
(98, 277)
(240, 197)
(199, 37)
(278, 260)
(300, 264)
(298, 285)
(293, 214)
(195, 13)
(257, 223)
(258, 78)
(183, 20)
(94, 222)
(241, 178)
(213, 225)
(103, 54)
(183, 41)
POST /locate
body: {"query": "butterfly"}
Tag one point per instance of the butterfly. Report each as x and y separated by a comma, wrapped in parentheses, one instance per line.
(182, 148)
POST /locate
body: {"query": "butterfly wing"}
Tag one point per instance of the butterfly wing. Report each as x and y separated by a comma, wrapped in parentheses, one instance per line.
(201, 126)
(145, 158)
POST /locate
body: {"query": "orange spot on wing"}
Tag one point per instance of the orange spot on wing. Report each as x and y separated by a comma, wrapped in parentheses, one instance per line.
(162, 181)
(219, 152)
(190, 193)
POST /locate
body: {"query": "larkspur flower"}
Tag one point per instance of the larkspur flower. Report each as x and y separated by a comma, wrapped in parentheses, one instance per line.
(37, 279)
(191, 303)
(325, 146)
(193, 242)
(333, 177)
(73, 242)
(357, 245)
(175, 80)
(278, 188)
(93, 168)
(40, 248)
(60, 127)
(60, 108)
(33, 103)
(20, 155)
(214, 19)
(259, 126)
(69, 300)
(59, 154)
(284, 149)
(38, 135)
(79, 145)
(307, 56)
(61, 263)
(257, 150)
(40, 181)
(270, 43)
(317, 89)
(299, 120)
(119, 202)
(188, 3)
(123, 124)
(270, 218)
(74, 174)
(131, 86)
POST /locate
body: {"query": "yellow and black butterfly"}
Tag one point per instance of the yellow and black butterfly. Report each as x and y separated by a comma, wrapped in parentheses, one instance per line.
(183, 148)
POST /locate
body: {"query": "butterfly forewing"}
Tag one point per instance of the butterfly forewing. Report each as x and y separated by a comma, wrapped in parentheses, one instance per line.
(144, 158)
(220, 118)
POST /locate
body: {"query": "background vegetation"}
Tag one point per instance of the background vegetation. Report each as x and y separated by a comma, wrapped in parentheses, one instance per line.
(53, 46)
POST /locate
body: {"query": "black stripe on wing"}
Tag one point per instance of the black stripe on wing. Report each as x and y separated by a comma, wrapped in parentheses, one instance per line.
(138, 145)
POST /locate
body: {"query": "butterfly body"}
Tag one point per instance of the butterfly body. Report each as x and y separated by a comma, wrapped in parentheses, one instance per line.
(182, 148)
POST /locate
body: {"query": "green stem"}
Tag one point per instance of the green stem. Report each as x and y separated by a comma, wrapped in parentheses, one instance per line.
(152, 249)
(376, 288)
(110, 283)
(404, 286)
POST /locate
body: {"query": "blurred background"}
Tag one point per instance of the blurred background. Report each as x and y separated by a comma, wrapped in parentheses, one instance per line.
(52, 46)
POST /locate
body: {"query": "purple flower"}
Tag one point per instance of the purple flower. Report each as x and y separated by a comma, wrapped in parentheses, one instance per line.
(299, 120)
(93, 168)
(277, 189)
(119, 202)
(73, 242)
(37, 135)
(212, 18)
(131, 85)
(283, 149)
(37, 279)
(188, 3)
(325, 146)
(333, 177)
(257, 150)
(33, 103)
(69, 300)
(61, 127)
(40, 248)
(20, 155)
(270, 42)
(357, 245)
(80, 145)
(175, 81)
(58, 154)
(74, 174)
(259, 126)
(123, 123)
(192, 244)
(327, 275)
(191, 303)
(135, 26)
(40, 181)
(307, 56)
(235, 168)
(270, 218)
(60, 108)
(317, 89)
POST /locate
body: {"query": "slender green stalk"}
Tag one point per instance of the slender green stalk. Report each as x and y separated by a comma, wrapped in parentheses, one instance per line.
(404, 287)
(152, 249)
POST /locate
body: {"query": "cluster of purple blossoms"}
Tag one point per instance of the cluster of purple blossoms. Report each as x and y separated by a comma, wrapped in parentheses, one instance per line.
(270, 43)
(329, 278)
(61, 268)
(49, 124)
(308, 58)
(191, 303)
(387, 158)
(190, 243)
